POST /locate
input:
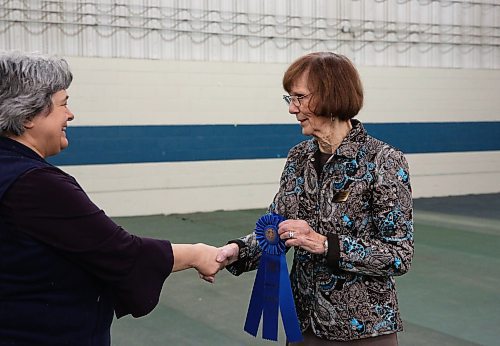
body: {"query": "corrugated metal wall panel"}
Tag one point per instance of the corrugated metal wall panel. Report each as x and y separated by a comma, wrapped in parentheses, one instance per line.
(414, 33)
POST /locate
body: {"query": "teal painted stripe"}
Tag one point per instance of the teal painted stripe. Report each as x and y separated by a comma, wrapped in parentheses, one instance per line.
(172, 143)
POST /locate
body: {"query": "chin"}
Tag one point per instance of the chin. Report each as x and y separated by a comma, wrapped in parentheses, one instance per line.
(62, 148)
(306, 132)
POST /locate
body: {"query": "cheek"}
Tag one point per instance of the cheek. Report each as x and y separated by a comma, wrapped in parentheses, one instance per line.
(310, 116)
(313, 121)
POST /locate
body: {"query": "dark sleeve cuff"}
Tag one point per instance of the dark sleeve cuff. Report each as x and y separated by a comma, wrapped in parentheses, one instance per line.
(333, 255)
(141, 292)
(240, 243)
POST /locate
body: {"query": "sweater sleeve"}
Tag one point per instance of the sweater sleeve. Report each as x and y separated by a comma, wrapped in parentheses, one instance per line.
(51, 207)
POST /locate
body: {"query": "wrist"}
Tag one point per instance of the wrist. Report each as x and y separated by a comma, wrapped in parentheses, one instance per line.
(325, 246)
(235, 252)
(196, 250)
(234, 247)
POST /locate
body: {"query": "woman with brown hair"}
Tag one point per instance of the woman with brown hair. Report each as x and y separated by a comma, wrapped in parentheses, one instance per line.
(347, 200)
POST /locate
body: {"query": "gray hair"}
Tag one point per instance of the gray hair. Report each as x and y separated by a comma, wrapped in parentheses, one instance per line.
(27, 83)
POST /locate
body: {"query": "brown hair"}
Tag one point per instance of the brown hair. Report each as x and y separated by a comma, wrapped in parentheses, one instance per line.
(333, 81)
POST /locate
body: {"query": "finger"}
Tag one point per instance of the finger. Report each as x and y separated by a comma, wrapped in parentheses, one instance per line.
(283, 228)
(284, 236)
(210, 279)
(292, 233)
(282, 224)
(207, 278)
(222, 256)
(285, 232)
(292, 242)
(290, 223)
(286, 222)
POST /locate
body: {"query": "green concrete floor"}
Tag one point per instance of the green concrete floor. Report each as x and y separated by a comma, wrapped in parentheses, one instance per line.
(451, 296)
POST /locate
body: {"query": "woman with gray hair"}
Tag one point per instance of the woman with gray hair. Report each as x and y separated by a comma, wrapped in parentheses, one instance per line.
(65, 267)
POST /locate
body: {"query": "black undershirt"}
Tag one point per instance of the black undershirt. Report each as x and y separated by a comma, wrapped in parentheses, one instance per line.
(320, 160)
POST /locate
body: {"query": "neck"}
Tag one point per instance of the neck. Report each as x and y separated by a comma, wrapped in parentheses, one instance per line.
(23, 139)
(332, 135)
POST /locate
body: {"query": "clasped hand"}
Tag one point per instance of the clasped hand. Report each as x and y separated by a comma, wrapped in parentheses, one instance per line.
(225, 255)
(206, 262)
(299, 233)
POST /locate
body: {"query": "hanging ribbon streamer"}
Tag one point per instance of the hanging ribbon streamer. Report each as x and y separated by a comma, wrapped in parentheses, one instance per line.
(271, 289)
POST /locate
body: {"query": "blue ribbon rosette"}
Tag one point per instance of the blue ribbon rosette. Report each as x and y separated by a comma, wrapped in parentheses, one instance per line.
(271, 290)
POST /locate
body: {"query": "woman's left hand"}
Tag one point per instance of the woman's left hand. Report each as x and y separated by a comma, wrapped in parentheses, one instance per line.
(299, 233)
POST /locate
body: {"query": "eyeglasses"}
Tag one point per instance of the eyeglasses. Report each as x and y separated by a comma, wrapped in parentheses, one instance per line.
(295, 99)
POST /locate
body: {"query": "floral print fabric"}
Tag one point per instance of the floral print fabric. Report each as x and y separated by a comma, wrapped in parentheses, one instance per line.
(363, 196)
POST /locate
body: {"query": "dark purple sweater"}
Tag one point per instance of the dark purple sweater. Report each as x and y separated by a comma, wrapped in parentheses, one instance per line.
(61, 255)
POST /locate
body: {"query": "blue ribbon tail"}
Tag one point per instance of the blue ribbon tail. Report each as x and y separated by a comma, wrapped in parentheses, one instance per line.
(287, 306)
(271, 297)
(256, 304)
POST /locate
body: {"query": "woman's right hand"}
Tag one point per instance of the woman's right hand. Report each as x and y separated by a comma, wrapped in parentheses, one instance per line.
(206, 263)
(200, 256)
(228, 253)
(225, 255)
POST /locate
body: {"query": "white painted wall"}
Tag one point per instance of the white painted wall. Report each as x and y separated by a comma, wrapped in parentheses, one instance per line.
(181, 187)
(126, 92)
(160, 92)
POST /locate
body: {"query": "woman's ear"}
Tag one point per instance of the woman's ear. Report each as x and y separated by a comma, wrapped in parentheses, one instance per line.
(28, 124)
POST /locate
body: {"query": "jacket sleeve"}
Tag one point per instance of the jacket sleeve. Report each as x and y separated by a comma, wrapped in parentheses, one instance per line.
(390, 250)
(250, 251)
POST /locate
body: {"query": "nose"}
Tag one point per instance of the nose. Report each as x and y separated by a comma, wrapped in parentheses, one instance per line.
(71, 116)
(293, 109)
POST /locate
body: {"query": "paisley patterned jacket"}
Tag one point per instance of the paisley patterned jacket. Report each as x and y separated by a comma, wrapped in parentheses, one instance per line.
(349, 293)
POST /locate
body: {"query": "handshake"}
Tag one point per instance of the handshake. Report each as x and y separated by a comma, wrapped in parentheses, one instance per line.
(206, 259)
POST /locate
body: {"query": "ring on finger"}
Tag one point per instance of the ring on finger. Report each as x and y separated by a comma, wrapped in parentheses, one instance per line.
(290, 234)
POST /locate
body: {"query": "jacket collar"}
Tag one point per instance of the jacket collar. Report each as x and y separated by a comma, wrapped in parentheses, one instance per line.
(349, 146)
